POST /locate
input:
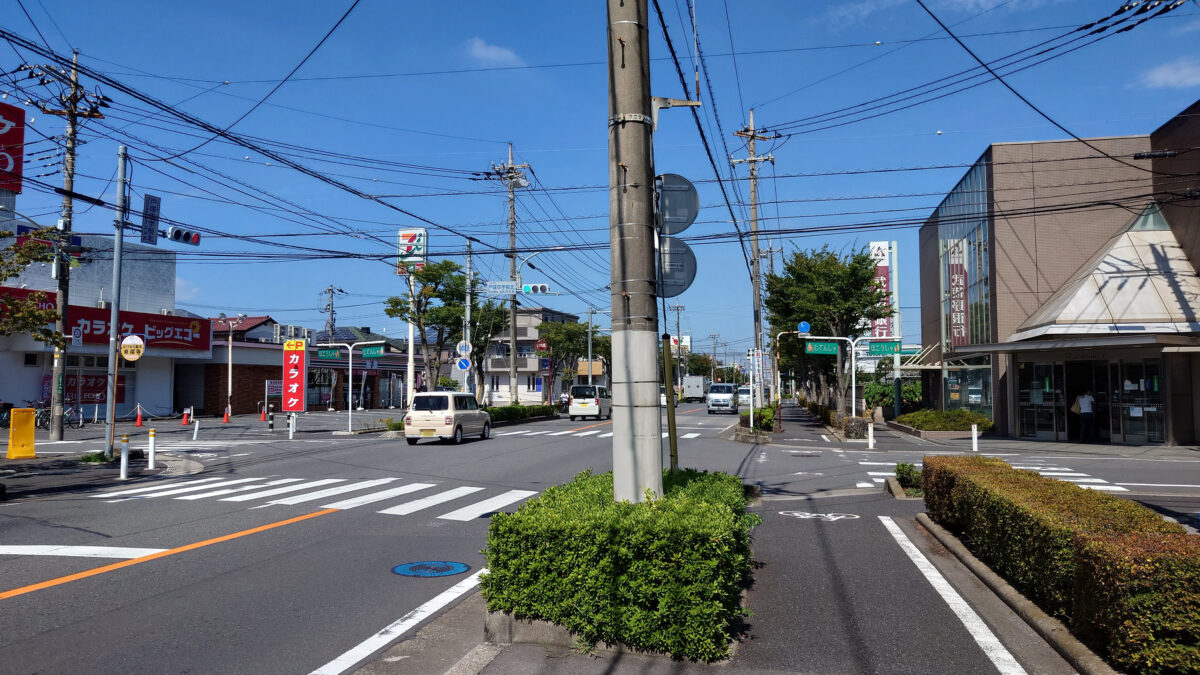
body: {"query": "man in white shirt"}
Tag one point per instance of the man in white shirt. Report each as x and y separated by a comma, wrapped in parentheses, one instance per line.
(1087, 416)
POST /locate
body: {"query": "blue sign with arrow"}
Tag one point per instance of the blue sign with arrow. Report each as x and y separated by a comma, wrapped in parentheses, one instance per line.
(803, 327)
(464, 363)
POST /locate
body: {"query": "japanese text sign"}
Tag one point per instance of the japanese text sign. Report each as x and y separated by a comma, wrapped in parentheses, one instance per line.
(956, 277)
(881, 252)
(295, 375)
(12, 146)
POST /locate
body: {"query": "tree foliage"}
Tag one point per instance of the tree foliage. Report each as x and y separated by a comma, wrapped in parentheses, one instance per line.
(487, 321)
(836, 293)
(567, 344)
(435, 307)
(698, 364)
(21, 315)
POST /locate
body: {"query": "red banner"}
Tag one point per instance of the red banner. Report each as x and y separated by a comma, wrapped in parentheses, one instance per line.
(959, 333)
(12, 146)
(882, 327)
(92, 388)
(161, 331)
(295, 375)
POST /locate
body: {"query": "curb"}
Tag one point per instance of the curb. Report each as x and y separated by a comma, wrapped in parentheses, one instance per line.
(1052, 630)
(893, 487)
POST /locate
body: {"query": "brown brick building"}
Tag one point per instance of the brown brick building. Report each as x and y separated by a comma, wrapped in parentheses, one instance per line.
(1058, 267)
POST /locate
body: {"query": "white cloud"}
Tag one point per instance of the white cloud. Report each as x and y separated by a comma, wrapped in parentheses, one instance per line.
(1181, 73)
(493, 55)
(1187, 28)
(185, 290)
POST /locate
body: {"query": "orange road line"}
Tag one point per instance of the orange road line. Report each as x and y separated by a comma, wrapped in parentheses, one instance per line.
(154, 556)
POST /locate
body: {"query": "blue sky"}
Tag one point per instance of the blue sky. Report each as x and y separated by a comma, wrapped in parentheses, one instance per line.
(414, 97)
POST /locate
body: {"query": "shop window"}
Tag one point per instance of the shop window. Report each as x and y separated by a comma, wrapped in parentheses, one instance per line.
(31, 360)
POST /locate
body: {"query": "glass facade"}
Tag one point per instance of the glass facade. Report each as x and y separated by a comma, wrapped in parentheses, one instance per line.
(963, 250)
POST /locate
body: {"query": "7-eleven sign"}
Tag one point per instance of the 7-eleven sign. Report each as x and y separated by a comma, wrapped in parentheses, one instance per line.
(410, 249)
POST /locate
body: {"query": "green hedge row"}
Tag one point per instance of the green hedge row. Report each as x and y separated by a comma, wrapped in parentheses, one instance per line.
(664, 575)
(824, 413)
(945, 420)
(764, 418)
(1126, 580)
(506, 413)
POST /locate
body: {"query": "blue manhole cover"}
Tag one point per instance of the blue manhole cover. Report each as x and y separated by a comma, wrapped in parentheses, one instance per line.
(430, 568)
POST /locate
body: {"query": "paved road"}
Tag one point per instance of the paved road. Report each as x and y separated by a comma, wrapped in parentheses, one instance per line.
(279, 556)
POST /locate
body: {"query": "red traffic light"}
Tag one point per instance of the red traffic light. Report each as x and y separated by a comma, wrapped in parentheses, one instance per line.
(183, 236)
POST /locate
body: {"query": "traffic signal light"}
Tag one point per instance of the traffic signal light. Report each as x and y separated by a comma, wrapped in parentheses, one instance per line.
(183, 236)
(535, 288)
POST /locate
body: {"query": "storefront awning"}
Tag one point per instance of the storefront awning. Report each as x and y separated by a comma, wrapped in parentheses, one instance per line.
(1084, 342)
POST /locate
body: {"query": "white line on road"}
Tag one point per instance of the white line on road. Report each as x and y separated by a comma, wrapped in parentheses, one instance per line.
(513, 433)
(563, 433)
(486, 506)
(401, 626)
(538, 433)
(1061, 474)
(984, 637)
(329, 492)
(607, 435)
(878, 463)
(153, 488)
(881, 473)
(284, 490)
(588, 433)
(81, 551)
(432, 500)
(1085, 480)
(378, 496)
(691, 435)
(1106, 488)
(194, 488)
(1178, 485)
(864, 485)
(824, 438)
(243, 488)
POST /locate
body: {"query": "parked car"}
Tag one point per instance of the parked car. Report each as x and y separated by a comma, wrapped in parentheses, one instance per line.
(445, 415)
(662, 397)
(743, 394)
(588, 400)
(722, 398)
(694, 388)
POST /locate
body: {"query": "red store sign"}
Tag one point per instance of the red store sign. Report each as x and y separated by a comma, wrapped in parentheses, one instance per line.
(295, 375)
(12, 146)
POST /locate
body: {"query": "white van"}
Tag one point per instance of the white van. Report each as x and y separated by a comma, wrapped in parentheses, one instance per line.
(445, 415)
(590, 400)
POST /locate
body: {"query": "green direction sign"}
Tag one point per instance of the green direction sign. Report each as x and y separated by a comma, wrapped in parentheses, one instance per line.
(882, 348)
(329, 353)
(828, 348)
(372, 352)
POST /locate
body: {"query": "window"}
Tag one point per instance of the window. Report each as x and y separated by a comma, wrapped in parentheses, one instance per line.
(465, 403)
(495, 382)
(431, 403)
(31, 359)
(580, 391)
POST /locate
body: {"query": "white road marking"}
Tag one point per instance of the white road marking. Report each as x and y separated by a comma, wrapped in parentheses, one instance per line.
(588, 433)
(155, 487)
(692, 435)
(401, 626)
(881, 473)
(284, 490)
(1085, 480)
(1106, 488)
(824, 438)
(378, 496)
(607, 435)
(80, 551)
(1061, 474)
(984, 637)
(1039, 469)
(486, 506)
(192, 488)
(226, 491)
(432, 500)
(878, 463)
(864, 485)
(513, 433)
(563, 433)
(329, 492)
(538, 433)
(1178, 485)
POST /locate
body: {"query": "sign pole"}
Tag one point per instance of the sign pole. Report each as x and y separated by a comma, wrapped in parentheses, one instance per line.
(114, 325)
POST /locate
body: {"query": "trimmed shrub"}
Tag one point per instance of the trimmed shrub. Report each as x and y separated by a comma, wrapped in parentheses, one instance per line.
(394, 425)
(1137, 599)
(855, 427)
(764, 419)
(945, 420)
(663, 575)
(507, 413)
(908, 475)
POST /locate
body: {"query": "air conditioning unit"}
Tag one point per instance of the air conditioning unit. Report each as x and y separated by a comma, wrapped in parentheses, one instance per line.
(277, 333)
(291, 331)
(167, 312)
(102, 304)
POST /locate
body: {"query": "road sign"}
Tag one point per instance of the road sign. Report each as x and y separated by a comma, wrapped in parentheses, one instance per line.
(822, 347)
(76, 336)
(150, 210)
(132, 347)
(372, 352)
(497, 288)
(678, 203)
(545, 364)
(295, 376)
(541, 344)
(463, 363)
(274, 387)
(678, 265)
(463, 348)
(882, 348)
(803, 327)
(329, 353)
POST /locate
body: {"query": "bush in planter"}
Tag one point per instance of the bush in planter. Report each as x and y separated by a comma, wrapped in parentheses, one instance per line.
(507, 413)
(764, 419)
(664, 575)
(908, 475)
(945, 420)
(855, 427)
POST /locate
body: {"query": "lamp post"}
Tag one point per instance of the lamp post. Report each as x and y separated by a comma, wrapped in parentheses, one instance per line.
(229, 378)
(512, 325)
(350, 375)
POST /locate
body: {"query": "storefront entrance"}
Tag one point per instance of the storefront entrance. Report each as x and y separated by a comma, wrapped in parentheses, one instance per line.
(1129, 403)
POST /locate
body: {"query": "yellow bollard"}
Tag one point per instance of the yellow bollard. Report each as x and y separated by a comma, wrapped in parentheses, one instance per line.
(20, 434)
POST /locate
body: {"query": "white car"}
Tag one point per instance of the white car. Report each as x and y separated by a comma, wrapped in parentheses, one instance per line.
(743, 395)
(722, 397)
(445, 415)
(589, 400)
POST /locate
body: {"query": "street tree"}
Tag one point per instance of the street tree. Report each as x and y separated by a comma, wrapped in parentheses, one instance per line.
(699, 364)
(435, 307)
(567, 344)
(837, 294)
(27, 313)
(487, 321)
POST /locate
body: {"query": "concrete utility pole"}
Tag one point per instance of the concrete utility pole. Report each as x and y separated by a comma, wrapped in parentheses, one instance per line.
(114, 324)
(470, 376)
(513, 178)
(637, 449)
(677, 308)
(750, 133)
(713, 337)
(70, 100)
(329, 322)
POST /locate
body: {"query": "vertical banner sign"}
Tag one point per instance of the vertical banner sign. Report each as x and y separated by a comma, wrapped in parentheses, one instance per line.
(295, 375)
(881, 253)
(12, 146)
(150, 209)
(957, 279)
(411, 250)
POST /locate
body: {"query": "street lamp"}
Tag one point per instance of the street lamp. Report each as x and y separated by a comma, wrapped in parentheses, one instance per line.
(512, 324)
(229, 380)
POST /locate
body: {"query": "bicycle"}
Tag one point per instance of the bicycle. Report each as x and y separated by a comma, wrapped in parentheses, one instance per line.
(73, 417)
(41, 414)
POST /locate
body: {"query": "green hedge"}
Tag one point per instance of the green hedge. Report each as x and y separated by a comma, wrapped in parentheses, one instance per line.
(855, 427)
(664, 575)
(945, 420)
(508, 413)
(1115, 570)
(764, 419)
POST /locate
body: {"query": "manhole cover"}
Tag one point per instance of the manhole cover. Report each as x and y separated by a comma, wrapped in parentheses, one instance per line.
(430, 568)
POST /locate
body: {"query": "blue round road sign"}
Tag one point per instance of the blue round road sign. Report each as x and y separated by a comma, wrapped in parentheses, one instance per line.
(464, 364)
(430, 568)
(803, 327)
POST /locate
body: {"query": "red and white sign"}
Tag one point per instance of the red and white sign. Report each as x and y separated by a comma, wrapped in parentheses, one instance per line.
(956, 278)
(541, 344)
(881, 252)
(160, 331)
(295, 375)
(12, 146)
(92, 388)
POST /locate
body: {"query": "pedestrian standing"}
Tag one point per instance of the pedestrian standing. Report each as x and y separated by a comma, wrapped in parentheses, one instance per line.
(1087, 416)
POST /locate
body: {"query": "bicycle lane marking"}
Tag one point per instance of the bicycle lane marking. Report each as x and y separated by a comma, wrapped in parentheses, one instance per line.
(987, 641)
(155, 556)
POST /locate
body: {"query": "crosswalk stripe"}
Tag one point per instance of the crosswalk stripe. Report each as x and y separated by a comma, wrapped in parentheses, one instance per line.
(193, 488)
(538, 433)
(432, 500)
(152, 488)
(321, 494)
(881, 473)
(878, 463)
(1060, 474)
(226, 491)
(486, 506)
(562, 433)
(879, 480)
(607, 435)
(1085, 480)
(378, 496)
(513, 433)
(1109, 488)
(692, 435)
(588, 433)
(1042, 468)
(864, 485)
(665, 434)
(284, 490)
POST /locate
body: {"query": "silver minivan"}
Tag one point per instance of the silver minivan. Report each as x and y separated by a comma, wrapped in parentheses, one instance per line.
(446, 415)
(590, 400)
(722, 397)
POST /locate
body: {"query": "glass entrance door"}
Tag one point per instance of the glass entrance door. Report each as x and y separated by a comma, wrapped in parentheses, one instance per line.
(1040, 401)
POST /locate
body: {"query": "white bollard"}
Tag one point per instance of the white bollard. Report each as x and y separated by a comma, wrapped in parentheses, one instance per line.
(151, 450)
(124, 456)
(974, 438)
(870, 436)
(195, 427)
(291, 425)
